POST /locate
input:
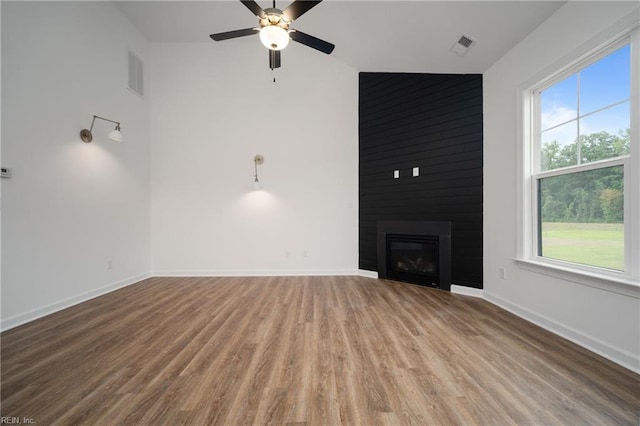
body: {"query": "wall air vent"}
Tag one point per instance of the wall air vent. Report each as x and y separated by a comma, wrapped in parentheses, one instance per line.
(462, 45)
(135, 74)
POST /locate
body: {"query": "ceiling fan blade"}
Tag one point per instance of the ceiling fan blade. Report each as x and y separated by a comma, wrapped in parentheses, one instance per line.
(311, 41)
(298, 8)
(274, 59)
(254, 7)
(234, 34)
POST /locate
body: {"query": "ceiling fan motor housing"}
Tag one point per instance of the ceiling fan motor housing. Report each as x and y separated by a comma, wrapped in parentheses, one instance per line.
(274, 17)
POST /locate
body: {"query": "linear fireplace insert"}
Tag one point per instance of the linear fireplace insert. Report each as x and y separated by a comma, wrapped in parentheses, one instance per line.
(415, 252)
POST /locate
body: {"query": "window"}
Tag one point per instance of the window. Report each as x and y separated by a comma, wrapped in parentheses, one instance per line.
(582, 176)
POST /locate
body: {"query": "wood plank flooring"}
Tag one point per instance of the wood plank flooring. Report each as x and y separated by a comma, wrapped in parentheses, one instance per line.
(302, 350)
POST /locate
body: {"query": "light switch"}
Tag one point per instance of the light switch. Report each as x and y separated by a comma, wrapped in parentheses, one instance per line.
(416, 171)
(396, 174)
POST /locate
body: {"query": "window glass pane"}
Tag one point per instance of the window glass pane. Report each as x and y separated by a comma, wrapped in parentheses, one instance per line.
(581, 217)
(559, 147)
(559, 103)
(606, 82)
(606, 134)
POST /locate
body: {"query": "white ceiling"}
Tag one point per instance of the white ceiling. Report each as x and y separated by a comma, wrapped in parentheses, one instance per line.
(373, 36)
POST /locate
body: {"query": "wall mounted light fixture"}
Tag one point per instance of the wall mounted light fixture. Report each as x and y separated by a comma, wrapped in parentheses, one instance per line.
(115, 135)
(258, 159)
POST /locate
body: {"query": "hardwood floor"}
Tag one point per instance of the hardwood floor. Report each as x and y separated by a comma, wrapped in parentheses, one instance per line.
(303, 350)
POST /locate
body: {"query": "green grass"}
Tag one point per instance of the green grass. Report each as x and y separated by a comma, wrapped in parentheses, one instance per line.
(596, 244)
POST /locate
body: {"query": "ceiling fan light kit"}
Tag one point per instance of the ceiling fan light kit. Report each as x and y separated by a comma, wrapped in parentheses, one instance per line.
(274, 29)
(274, 37)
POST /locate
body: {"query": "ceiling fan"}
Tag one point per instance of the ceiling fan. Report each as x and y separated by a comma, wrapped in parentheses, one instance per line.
(274, 29)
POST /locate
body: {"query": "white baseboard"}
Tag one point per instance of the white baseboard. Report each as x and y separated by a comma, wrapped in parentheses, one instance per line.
(467, 291)
(26, 317)
(612, 353)
(367, 274)
(256, 273)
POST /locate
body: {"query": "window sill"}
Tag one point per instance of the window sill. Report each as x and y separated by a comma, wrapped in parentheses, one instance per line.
(621, 285)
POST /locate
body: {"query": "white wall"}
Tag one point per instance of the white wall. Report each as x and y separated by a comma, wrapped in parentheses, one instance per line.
(70, 207)
(604, 321)
(214, 107)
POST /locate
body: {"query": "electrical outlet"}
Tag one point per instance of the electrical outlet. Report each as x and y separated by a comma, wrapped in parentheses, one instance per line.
(501, 273)
(396, 174)
(416, 171)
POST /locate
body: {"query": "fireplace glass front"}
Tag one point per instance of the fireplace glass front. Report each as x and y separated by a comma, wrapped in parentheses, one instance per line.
(414, 259)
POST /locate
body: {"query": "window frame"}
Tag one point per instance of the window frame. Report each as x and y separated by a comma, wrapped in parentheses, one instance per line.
(529, 130)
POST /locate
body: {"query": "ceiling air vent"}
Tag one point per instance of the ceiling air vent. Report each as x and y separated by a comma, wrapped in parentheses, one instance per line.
(463, 44)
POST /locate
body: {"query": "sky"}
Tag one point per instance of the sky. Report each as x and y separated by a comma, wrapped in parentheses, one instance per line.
(603, 84)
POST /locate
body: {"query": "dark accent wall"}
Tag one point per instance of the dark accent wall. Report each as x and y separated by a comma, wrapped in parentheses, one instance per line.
(434, 122)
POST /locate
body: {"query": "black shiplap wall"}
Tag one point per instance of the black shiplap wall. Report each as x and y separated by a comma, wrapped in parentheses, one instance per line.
(431, 121)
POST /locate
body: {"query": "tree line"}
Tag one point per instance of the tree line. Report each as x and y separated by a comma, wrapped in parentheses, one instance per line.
(594, 196)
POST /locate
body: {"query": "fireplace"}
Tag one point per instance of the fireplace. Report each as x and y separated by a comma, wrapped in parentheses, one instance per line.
(415, 252)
